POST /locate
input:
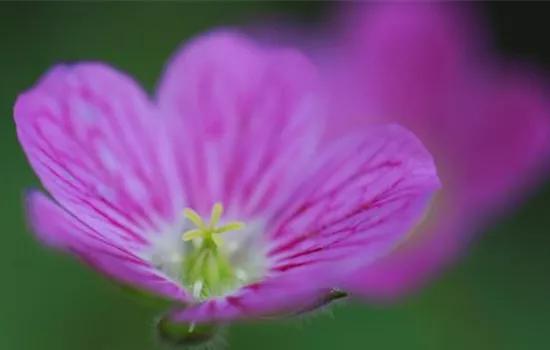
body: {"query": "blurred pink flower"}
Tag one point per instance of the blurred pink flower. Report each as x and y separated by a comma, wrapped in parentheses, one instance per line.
(219, 194)
(427, 66)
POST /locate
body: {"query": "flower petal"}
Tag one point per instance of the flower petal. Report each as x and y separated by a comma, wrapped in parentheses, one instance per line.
(60, 229)
(356, 202)
(264, 300)
(430, 249)
(91, 135)
(241, 117)
(363, 193)
(508, 147)
(402, 61)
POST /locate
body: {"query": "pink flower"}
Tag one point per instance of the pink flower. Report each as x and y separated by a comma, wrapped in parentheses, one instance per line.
(486, 121)
(220, 193)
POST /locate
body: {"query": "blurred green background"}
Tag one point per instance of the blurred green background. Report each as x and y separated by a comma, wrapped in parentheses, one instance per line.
(497, 298)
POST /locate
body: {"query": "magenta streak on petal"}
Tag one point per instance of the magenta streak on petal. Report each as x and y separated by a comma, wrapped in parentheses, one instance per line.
(89, 131)
(61, 230)
(253, 102)
(84, 200)
(343, 244)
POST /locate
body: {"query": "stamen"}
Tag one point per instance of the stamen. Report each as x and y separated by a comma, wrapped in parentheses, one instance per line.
(217, 211)
(230, 227)
(209, 231)
(207, 270)
(192, 234)
(195, 218)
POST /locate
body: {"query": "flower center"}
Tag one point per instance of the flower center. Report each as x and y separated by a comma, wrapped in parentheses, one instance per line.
(207, 270)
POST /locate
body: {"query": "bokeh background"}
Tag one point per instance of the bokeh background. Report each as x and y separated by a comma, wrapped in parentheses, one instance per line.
(497, 298)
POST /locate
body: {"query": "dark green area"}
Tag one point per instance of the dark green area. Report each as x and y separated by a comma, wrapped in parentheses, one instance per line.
(498, 298)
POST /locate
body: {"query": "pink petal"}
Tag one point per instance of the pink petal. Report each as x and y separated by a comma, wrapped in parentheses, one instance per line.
(241, 118)
(508, 148)
(263, 300)
(362, 193)
(356, 200)
(416, 262)
(88, 132)
(60, 229)
(402, 61)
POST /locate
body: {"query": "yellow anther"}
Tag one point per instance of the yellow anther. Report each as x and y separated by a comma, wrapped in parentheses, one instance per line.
(209, 231)
(230, 227)
(217, 212)
(192, 234)
(195, 218)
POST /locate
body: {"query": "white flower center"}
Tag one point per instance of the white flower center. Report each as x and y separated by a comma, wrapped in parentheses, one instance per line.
(206, 264)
